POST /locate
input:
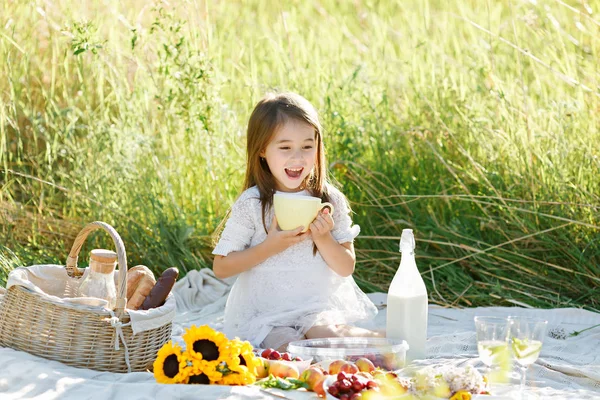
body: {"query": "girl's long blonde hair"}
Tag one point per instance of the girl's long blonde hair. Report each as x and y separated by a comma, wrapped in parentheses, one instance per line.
(270, 114)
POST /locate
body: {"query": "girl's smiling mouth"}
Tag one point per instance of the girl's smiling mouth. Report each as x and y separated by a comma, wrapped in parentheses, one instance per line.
(294, 173)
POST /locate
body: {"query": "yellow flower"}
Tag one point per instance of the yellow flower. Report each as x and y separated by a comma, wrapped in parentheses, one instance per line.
(243, 377)
(205, 344)
(199, 379)
(204, 372)
(461, 395)
(170, 365)
(238, 363)
(241, 354)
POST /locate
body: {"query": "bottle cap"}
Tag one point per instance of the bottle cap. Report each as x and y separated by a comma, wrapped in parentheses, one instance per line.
(407, 241)
(104, 256)
(103, 261)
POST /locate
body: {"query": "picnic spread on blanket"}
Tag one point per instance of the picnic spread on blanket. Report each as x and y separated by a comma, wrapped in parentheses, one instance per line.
(102, 332)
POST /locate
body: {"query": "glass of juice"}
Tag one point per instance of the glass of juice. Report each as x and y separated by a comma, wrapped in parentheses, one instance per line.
(527, 336)
(492, 345)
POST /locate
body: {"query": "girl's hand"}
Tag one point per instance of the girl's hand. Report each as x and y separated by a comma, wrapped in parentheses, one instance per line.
(322, 225)
(279, 240)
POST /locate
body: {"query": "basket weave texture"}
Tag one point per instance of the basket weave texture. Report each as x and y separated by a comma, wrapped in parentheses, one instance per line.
(82, 337)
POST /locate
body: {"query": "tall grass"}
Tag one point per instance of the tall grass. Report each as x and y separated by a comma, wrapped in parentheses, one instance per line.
(474, 123)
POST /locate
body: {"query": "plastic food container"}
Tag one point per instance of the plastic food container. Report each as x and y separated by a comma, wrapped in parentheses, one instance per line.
(385, 353)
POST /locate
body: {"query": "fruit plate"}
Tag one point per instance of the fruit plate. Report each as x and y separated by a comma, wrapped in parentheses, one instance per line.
(326, 383)
(263, 355)
(329, 381)
(301, 365)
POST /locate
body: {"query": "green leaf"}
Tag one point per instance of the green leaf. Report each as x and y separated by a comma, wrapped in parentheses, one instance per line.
(298, 383)
(281, 383)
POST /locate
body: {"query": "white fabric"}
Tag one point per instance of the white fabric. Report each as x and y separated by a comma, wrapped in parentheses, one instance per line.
(566, 369)
(143, 320)
(199, 288)
(294, 288)
(53, 282)
(280, 336)
(200, 297)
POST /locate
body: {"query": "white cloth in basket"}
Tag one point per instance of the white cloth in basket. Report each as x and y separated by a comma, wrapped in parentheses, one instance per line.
(53, 282)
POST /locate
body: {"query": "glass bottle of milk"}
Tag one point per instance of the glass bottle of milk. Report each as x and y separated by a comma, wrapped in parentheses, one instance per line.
(407, 301)
(98, 279)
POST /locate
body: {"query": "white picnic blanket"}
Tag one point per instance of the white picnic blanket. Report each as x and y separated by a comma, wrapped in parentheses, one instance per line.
(567, 368)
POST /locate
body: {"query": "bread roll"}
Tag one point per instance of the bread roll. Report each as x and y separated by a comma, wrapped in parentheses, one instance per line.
(140, 281)
(161, 290)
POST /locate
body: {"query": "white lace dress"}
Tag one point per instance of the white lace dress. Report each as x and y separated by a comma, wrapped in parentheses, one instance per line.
(293, 288)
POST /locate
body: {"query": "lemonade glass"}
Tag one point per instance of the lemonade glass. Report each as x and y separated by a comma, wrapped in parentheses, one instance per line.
(527, 336)
(492, 342)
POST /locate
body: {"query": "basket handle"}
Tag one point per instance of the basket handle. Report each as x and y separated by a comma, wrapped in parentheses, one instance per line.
(121, 259)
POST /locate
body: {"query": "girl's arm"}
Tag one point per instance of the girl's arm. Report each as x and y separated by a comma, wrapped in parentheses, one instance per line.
(237, 262)
(339, 257)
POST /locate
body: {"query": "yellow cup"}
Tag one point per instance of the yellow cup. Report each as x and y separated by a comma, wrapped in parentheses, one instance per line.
(294, 210)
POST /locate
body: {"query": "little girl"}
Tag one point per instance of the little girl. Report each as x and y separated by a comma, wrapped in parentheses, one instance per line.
(290, 285)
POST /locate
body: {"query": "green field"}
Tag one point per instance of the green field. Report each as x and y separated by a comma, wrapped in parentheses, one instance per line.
(475, 123)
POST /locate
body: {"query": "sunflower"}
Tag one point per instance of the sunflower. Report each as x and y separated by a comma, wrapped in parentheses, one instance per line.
(199, 379)
(205, 344)
(204, 372)
(461, 395)
(240, 377)
(170, 364)
(240, 354)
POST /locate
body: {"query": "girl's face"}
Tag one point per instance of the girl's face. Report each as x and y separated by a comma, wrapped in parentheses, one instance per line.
(291, 154)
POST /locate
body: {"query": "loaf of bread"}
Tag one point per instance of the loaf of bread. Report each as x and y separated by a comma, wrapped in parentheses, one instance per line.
(140, 281)
(161, 290)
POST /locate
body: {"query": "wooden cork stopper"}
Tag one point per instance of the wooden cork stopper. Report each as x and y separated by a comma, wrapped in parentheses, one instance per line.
(103, 261)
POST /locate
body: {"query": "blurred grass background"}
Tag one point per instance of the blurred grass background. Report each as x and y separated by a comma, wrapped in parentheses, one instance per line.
(475, 123)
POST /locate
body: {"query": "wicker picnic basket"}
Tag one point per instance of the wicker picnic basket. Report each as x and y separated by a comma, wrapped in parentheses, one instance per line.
(93, 338)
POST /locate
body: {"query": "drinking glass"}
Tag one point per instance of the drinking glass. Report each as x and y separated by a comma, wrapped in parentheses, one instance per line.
(527, 335)
(492, 342)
